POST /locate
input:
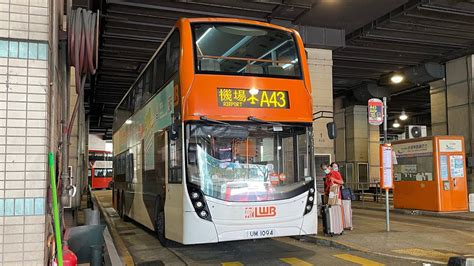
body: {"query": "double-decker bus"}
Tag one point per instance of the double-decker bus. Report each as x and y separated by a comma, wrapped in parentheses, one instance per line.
(213, 141)
(100, 169)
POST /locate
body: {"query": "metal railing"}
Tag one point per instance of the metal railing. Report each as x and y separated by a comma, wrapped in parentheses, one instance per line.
(366, 189)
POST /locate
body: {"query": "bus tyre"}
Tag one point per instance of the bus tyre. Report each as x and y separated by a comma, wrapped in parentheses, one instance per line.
(122, 208)
(160, 229)
(119, 204)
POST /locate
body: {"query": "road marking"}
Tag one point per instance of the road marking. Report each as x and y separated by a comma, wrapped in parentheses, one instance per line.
(232, 263)
(358, 260)
(426, 253)
(296, 262)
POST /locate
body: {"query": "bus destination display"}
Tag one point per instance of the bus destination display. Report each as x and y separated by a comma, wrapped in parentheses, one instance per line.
(243, 98)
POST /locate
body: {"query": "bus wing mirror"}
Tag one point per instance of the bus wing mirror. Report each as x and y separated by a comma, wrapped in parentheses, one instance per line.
(192, 153)
(174, 131)
(331, 127)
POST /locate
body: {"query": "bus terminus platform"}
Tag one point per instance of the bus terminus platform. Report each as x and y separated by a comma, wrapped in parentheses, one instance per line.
(213, 140)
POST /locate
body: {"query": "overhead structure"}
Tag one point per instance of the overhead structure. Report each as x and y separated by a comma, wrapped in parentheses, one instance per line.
(133, 30)
(406, 33)
(417, 32)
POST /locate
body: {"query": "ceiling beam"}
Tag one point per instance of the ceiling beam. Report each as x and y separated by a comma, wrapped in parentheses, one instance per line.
(161, 7)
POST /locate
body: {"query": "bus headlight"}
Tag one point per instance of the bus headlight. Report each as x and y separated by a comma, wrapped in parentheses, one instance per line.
(198, 201)
(309, 200)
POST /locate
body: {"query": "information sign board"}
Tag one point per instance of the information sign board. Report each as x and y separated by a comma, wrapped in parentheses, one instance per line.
(375, 112)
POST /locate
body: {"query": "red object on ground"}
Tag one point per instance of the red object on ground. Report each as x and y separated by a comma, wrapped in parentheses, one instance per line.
(69, 258)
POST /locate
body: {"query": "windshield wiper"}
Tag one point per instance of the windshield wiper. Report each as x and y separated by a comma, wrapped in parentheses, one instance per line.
(204, 118)
(258, 120)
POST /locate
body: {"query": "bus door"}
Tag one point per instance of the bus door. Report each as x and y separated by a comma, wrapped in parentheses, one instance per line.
(167, 159)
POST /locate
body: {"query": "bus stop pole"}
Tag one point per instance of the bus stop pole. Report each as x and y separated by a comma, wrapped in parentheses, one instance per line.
(385, 141)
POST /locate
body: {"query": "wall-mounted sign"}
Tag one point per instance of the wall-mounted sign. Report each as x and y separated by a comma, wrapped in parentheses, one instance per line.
(443, 167)
(243, 98)
(456, 163)
(413, 149)
(386, 166)
(450, 145)
(375, 112)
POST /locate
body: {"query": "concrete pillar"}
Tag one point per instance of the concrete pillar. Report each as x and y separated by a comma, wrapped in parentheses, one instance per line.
(320, 70)
(25, 125)
(357, 144)
(439, 124)
(460, 94)
(340, 120)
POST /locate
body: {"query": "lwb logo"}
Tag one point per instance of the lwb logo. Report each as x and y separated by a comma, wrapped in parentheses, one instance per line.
(260, 212)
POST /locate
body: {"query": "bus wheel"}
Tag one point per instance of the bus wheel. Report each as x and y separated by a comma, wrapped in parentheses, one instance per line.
(119, 203)
(160, 228)
(125, 218)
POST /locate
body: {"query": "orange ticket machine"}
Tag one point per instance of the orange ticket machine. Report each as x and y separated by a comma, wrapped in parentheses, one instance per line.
(430, 174)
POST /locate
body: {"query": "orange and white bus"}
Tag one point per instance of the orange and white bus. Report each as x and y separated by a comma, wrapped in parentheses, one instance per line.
(100, 169)
(213, 141)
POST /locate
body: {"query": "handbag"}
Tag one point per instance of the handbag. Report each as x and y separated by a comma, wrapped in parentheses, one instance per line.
(333, 197)
(347, 194)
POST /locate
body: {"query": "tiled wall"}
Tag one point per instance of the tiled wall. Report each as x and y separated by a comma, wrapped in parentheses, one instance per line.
(24, 130)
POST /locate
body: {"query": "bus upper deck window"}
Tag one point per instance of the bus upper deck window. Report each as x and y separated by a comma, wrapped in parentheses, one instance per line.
(239, 49)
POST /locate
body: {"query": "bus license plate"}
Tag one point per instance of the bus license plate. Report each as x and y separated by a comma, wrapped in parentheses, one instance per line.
(261, 233)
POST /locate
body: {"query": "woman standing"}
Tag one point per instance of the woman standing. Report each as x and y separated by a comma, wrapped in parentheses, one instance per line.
(333, 177)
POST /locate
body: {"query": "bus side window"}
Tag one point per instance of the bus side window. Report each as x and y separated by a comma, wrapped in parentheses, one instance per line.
(159, 70)
(175, 162)
(172, 55)
(138, 94)
(129, 168)
(147, 84)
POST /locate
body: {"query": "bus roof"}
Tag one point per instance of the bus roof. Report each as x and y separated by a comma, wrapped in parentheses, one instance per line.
(237, 20)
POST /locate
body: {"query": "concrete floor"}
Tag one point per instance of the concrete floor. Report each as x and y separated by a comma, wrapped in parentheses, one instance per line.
(146, 249)
(415, 236)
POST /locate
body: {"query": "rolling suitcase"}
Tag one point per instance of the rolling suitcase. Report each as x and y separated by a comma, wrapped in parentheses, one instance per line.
(325, 218)
(336, 219)
(332, 220)
(347, 213)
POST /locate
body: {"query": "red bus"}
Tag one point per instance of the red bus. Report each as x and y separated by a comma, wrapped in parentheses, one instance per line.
(100, 169)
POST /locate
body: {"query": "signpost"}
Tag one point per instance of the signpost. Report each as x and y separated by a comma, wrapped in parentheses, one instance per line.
(375, 112)
(377, 115)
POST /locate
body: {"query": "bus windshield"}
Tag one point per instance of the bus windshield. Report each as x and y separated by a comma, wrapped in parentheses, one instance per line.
(249, 162)
(239, 49)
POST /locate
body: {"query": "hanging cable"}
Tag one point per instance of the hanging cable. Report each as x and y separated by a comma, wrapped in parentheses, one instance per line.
(82, 54)
(83, 43)
(83, 33)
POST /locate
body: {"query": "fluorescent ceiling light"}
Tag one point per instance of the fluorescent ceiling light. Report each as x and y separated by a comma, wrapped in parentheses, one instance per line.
(397, 78)
(403, 116)
(396, 124)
